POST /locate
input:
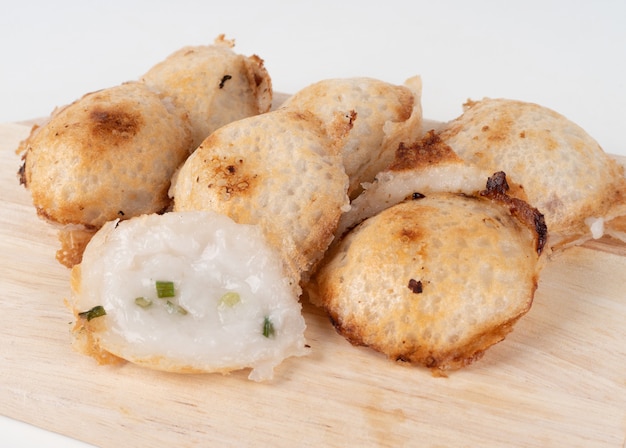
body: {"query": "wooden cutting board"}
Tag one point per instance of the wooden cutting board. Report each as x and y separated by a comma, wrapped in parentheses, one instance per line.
(558, 380)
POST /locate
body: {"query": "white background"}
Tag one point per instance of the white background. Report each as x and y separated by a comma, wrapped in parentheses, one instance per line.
(567, 55)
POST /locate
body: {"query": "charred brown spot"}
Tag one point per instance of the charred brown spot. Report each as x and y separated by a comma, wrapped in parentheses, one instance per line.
(224, 79)
(407, 102)
(541, 228)
(21, 174)
(522, 134)
(258, 74)
(352, 333)
(114, 125)
(351, 116)
(430, 150)
(342, 123)
(258, 79)
(500, 129)
(416, 286)
(496, 189)
(231, 177)
(498, 183)
(45, 215)
(407, 234)
(431, 362)
(415, 196)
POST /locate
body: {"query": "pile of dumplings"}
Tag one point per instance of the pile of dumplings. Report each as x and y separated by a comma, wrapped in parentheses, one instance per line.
(195, 216)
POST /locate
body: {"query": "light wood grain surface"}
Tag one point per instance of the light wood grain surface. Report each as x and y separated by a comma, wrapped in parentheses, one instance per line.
(558, 380)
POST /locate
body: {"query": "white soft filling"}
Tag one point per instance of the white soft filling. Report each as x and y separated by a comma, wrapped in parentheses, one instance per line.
(596, 227)
(205, 255)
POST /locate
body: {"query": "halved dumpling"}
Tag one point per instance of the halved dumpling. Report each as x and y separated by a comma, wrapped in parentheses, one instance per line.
(186, 292)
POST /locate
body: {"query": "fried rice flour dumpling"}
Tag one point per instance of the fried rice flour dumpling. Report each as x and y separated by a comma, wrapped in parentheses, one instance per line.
(279, 170)
(213, 84)
(188, 292)
(435, 280)
(560, 167)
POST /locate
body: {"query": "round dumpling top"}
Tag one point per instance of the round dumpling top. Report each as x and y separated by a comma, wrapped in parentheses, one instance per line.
(96, 159)
(377, 116)
(433, 281)
(213, 84)
(186, 292)
(562, 170)
(278, 170)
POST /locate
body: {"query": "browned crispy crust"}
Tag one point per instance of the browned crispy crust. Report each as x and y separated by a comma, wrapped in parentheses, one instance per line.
(497, 188)
(416, 262)
(439, 361)
(95, 159)
(429, 150)
(73, 242)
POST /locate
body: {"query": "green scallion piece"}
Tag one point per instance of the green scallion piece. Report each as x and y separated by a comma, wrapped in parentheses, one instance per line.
(268, 327)
(96, 311)
(229, 299)
(143, 302)
(164, 289)
(174, 308)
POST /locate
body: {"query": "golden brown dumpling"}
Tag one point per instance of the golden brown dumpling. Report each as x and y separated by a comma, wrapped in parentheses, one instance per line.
(213, 85)
(435, 280)
(110, 154)
(279, 170)
(562, 170)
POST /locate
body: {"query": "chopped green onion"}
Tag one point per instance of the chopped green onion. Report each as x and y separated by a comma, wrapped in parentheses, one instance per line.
(229, 299)
(174, 308)
(143, 302)
(164, 289)
(96, 311)
(268, 327)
